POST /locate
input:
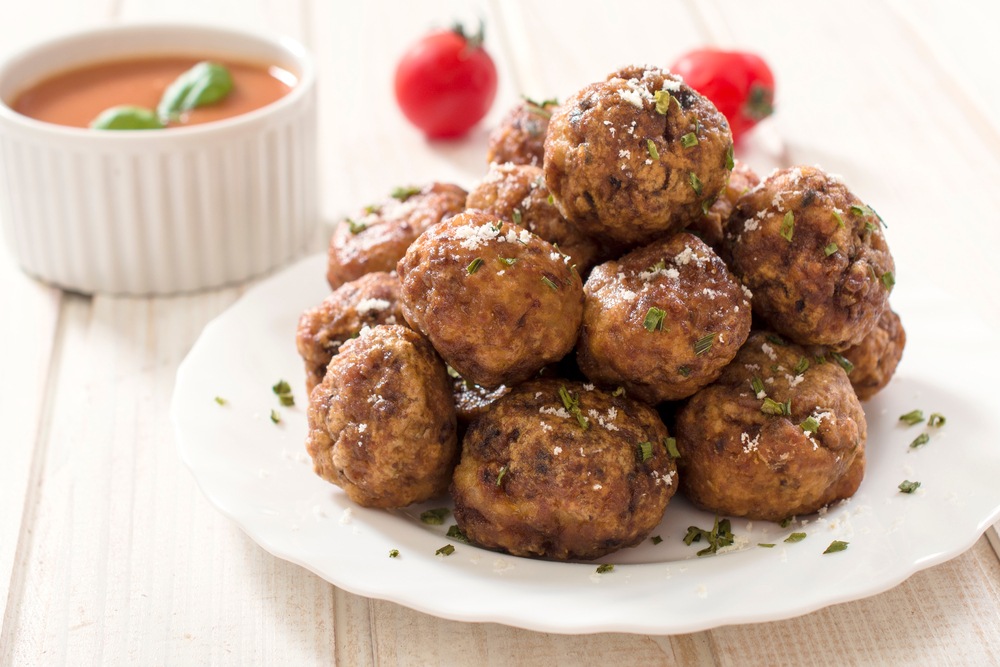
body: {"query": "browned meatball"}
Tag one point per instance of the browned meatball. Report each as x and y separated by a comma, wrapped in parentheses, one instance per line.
(520, 136)
(382, 422)
(814, 256)
(496, 301)
(518, 194)
(375, 239)
(875, 358)
(557, 469)
(663, 320)
(711, 226)
(371, 299)
(778, 434)
(636, 156)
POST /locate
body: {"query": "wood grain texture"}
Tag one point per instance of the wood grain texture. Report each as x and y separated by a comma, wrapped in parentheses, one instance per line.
(109, 554)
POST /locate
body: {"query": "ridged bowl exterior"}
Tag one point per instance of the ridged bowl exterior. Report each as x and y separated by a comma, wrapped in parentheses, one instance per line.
(159, 211)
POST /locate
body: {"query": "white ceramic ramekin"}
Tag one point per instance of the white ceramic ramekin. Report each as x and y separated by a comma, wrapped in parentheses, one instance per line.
(158, 211)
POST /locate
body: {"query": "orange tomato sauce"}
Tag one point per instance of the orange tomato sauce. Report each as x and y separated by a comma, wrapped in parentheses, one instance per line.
(77, 96)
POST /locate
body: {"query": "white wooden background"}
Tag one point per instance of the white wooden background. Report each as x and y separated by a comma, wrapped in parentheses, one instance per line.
(109, 554)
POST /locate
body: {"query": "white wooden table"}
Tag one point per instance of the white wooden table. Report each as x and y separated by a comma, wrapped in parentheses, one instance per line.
(110, 555)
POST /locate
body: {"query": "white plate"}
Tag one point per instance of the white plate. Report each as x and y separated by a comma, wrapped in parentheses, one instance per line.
(258, 474)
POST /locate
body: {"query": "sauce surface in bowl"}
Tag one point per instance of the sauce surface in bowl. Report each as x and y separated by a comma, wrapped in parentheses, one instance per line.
(76, 97)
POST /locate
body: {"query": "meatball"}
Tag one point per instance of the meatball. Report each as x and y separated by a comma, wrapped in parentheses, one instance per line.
(520, 136)
(875, 358)
(382, 422)
(518, 194)
(711, 226)
(814, 256)
(662, 321)
(778, 434)
(496, 301)
(375, 239)
(371, 299)
(636, 156)
(560, 470)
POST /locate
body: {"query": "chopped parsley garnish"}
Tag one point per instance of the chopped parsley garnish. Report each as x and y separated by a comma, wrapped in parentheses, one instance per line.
(604, 568)
(656, 539)
(786, 522)
(446, 550)
(906, 486)
(690, 139)
(457, 533)
(404, 193)
(671, 445)
(474, 265)
(372, 209)
(516, 216)
(936, 420)
(538, 108)
(619, 391)
(654, 319)
(766, 545)
(662, 101)
(862, 210)
(550, 284)
(758, 386)
(843, 362)
(720, 536)
(393, 553)
(870, 226)
(830, 249)
(777, 340)
(572, 405)
(704, 344)
(508, 261)
(912, 417)
(795, 537)
(659, 266)
(810, 424)
(645, 451)
(695, 183)
(802, 366)
(730, 162)
(835, 546)
(684, 371)
(651, 149)
(275, 417)
(501, 474)
(552, 199)
(355, 227)
(284, 393)
(773, 407)
(787, 229)
(434, 517)
(840, 220)
(220, 400)
(889, 280)
(921, 439)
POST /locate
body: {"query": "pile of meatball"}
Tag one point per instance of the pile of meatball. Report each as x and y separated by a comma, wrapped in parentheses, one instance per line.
(617, 311)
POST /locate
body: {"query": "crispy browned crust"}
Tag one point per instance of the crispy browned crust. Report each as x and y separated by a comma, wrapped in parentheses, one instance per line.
(520, 136)
(383, 232)
(518, 194)
(876, 357)
(533, 482)
(800, 290)
(701, 299)
(517, 309)
(382, 422)
(604, 176)
(371, 299)
(710, 227)
(737, 460)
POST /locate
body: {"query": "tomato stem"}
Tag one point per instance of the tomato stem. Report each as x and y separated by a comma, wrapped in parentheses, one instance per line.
(474, 41)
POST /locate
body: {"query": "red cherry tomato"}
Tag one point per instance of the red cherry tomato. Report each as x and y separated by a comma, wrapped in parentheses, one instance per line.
(739, 84)
(446, 82)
